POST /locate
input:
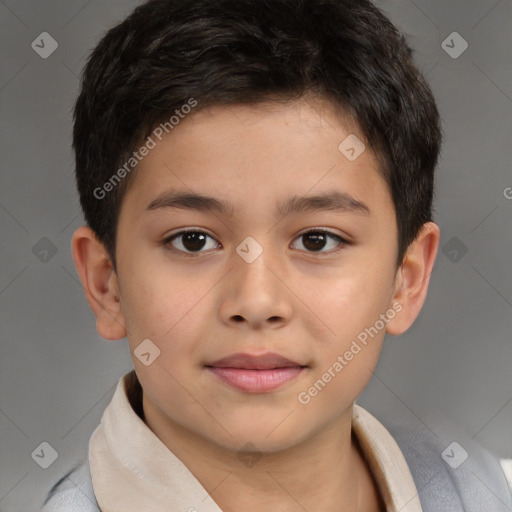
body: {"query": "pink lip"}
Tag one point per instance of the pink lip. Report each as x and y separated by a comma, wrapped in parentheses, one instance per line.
(267, 361)
(255, 374)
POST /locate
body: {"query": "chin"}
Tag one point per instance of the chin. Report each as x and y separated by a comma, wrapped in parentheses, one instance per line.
(263, 437)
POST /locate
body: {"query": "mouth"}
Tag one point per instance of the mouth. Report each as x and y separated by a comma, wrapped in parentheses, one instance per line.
(255, 374)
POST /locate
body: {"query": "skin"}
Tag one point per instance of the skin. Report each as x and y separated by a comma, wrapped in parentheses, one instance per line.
(306, 305)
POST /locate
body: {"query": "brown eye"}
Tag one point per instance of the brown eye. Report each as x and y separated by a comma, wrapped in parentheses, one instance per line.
(316, 240)
(190, 241)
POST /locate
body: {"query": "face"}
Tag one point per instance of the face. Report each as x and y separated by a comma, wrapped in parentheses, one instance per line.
(294, 255)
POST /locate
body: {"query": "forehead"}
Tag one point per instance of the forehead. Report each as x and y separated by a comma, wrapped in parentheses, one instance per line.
(246, 154)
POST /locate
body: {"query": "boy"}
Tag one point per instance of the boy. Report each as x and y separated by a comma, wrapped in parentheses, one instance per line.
(257, 180)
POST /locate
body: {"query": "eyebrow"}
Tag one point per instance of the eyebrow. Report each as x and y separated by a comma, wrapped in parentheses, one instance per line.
(332, 201)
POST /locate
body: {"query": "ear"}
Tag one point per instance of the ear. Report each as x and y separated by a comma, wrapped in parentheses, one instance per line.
(413, 277)
(99, 281)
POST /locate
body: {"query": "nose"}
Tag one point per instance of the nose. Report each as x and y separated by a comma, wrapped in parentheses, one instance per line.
(255, 295)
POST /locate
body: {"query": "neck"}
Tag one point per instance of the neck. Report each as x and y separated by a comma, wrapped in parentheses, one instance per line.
(330, 476)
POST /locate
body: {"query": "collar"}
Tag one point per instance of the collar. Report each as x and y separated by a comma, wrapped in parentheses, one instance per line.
(133, 470)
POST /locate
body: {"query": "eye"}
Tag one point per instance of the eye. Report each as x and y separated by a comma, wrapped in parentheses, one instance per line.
(190, 241)
(193, 241)
(317, 239)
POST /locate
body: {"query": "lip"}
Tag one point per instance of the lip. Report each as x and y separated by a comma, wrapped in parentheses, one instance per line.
(267, 361)
(256, 373)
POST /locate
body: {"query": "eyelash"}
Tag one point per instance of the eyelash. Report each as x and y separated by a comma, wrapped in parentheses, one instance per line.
(330, 234)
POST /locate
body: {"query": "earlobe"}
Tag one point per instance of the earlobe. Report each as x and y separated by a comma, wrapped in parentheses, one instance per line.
(413, 278)
(99, 281)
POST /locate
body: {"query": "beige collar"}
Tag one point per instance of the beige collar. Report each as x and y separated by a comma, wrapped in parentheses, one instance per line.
(132, 470)
(386, 462)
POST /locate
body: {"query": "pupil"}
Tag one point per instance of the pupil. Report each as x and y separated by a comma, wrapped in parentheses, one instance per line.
(317, 239)
(193, 241)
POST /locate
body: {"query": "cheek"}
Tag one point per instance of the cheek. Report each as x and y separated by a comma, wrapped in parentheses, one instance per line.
(360, 324)
(166, 311)
(351, 309)
(153, 297)
(340, 382)
(351, 302)
(344, 367)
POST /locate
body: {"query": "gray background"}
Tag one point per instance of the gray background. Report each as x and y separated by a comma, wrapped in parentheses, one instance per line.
(57, 374)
